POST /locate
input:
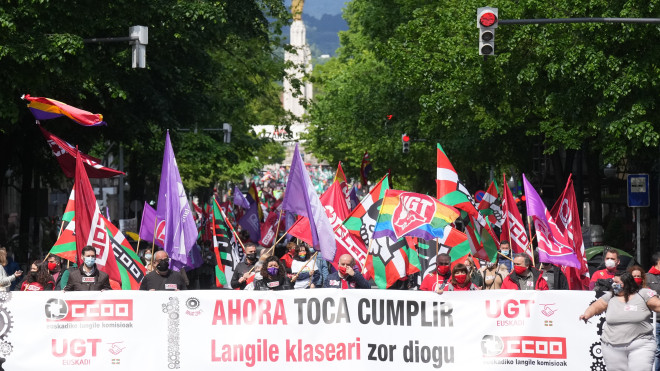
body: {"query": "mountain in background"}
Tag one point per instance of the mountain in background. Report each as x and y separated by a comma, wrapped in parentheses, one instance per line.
(323, 21)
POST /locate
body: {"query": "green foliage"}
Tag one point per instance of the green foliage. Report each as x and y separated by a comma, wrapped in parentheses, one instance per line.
(208, 62)
(561, 85)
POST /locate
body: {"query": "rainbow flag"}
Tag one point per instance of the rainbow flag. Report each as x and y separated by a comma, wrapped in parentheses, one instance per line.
(414, 215)
(46, 109)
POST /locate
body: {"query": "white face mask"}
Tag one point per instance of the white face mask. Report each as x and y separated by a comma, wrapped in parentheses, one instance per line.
(147, 257)
(610, 263)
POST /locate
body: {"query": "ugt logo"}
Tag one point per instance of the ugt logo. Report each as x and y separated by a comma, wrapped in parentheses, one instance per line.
(413, 211)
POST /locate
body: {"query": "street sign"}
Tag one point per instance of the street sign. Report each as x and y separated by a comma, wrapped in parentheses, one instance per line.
(638, 190)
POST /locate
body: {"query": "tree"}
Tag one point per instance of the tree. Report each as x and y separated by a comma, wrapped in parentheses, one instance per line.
(564, 88)
(208, 63)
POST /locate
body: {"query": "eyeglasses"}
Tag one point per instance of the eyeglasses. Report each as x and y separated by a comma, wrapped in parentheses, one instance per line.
(166, 260)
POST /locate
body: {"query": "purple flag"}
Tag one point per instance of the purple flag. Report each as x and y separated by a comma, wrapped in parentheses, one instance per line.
(179, 232)
(239, 199)
(250, 222)
(354, 200)
(553, 246)
(148, 225)
(301, 198)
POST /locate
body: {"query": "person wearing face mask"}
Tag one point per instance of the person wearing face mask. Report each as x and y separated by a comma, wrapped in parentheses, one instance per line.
(638, 275)
(244, 269)
(473, 274)
(492, 278)
(505, 261)
(87, 277)
(652, 278)
(611, 262)
(38, 279)
(346, 277)
(438, 280)
(289, 256)
(303, 269)
(162, 278)
(148, 261)
(627, 340)
(460, 279)
(273, 276)
(54, 266)
(524, 275)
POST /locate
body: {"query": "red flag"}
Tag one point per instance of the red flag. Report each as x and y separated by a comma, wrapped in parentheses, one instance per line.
(565, 213)
(271, 228)
(513, 229)
(66, 155)
(90, 227)
(365, 168)
(340, 178)
(335, 208)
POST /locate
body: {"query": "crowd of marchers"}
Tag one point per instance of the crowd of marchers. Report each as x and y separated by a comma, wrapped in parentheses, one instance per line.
(627, 298)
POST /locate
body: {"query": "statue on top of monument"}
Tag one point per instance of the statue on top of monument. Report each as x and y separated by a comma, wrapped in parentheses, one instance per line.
(296, 9)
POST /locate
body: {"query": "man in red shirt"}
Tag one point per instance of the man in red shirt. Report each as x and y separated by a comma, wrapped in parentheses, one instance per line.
(611, 262)
(524, 276)
(438, 280)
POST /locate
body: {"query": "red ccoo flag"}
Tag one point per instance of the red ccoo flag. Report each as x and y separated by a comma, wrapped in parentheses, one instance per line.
(90, 227)
(66, 155)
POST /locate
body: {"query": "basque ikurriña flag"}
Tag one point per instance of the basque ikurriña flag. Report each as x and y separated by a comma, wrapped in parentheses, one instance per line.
(553, 246)
(180, 231)
(413, 214)
(46, 109)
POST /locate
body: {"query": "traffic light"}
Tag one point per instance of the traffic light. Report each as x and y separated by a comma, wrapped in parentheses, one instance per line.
(405, 140)
(487, 23)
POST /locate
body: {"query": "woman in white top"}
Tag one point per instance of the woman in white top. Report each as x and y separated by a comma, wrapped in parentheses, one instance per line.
(627, 339)
(5, 281)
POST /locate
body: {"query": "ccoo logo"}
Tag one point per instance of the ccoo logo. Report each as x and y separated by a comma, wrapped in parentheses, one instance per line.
(89, 310)
(413, 211)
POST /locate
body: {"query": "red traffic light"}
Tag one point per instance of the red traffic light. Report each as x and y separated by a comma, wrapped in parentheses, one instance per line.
(389, 117)
(405, 138)
(488, 19)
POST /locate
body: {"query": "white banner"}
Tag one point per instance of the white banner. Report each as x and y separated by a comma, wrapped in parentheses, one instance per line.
(320, 329)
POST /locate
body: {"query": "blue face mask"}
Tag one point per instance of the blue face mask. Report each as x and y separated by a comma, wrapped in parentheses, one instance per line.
(616, 288)
(90, 261)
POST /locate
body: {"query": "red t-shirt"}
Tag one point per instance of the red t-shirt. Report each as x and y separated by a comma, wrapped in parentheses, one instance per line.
(35, 286)
(431, 281)
(601, 274)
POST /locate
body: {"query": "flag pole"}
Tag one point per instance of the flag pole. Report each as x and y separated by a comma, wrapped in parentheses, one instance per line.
(58, 237)
(153, 242)
(137, 249)
(231, 227)
(313, 270)
(272, 247)
(303, 267)
(506, 217)
(437, 276)
(531, 246)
